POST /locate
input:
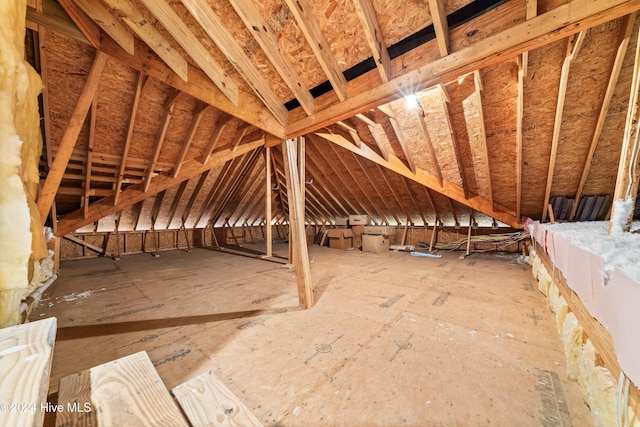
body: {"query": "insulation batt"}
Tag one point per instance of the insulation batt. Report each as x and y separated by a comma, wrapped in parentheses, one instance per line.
(18, 114)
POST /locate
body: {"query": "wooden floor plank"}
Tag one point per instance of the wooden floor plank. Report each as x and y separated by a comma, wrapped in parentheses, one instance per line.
(124, 392)
(25, 363)
(207, 401)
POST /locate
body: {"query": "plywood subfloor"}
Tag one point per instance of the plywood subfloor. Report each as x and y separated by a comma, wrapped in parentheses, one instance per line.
(393, 340)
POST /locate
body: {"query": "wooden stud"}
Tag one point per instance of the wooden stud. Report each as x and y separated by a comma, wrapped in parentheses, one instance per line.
(447, 114)
(397, 129)
(552, 217)
(267, 208)
(484, 151)
(70, 136)
(74, 239)
(393, 193)
(421, 118)
(193, 127)
(519, 132)
(103, 17)
(92, 137)
(434, 233)
(84, 23)
(376, 188)
(531, 10)
(52, 16)
(159, 141)
(440, 25)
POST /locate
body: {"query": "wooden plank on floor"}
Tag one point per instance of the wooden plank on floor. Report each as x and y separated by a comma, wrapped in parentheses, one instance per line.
(123, 392)
(25, 363)
(207, 402)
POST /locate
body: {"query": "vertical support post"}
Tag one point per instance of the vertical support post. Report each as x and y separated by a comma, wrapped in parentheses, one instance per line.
(297, 235)
(433, 236)
(469, 234)
(268, 219)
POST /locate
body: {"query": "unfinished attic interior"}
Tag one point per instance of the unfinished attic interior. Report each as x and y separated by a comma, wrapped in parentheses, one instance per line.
(307, 212)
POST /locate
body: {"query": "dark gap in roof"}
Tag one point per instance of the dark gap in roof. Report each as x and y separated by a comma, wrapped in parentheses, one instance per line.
(590, 208)
(457, 18)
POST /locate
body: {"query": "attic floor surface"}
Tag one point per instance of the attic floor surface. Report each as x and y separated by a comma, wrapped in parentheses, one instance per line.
(393, 339)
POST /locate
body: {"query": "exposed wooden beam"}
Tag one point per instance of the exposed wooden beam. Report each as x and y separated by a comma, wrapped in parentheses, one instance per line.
(248, 109)
(436, 214)
(127, 143)
(225, 41)
(155, 211)
(297, 231)
(178, 29)
(109, 23)
(556, 24)
(440, 25)
(246, 196)
(323, 178)
(268, 218)
(151, 36)
(209, 200)
(564, 78)
(218, 128)
(241, 132)
(175, 202)
(448, 189)
(193, 127)
(74, 239)
(624, 195)
(70, 136)
(413, 199)
(376, 132)
(519, 132)
(453, 210)
(325, 193)
(352, 132)
(484, 150)
(393, 194)
(194, 196)
(168, 113)
(56, 18)
(391, 115)
(85, 24)
(623, 44)
(424, 132)
(531, 10)
(308, 24)
(92, 137)
(446, 100)
(373, 34)
(251, 17)
(136, 193)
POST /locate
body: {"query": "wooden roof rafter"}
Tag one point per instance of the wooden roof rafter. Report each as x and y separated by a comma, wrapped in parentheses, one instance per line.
(531, 10)
(440, 25)
(211, 195)
(109, 24)
(194, 195)
(190, 43)
(329, 198)
(421, 118)
(446, 101)
(376, 132)
(140, 83)
(251, 17)
(484, 150)
(252, 177)
(393, 194)
(134, 19)
(436, 214)
(201, 107)
(86, 26)
(573, 46)
(388, 110)
(175, 202)
(413, 199)
(308, 24)
(372, 184)
(373, 33)
(90, 144)
(519, 135)
(623, 44)
(215, 29)
(169, 106)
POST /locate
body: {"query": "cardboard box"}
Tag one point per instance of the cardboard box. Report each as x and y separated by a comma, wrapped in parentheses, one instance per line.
(384, 230)
(342, 220)
(375, 243)
(340, 238)
(357, 230)
(359, 219)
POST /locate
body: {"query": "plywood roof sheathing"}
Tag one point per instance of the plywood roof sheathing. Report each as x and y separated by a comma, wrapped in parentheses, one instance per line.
(108, 23)
(193, 127)
(85, 24)
(484, 152)
(376, 189)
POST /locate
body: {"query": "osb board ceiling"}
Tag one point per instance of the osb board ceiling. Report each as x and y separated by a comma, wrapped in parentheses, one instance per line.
(368, 152)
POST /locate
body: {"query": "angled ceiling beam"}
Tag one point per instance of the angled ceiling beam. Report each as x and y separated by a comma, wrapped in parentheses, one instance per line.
(376, 132)
(424, 132)
(436, 214)
(393, 194)
(308, 24)
(218, 128)
(247, 196)
(440, 25)
(152, 37)
(277, 179)
(623, 44)
(52, 16)
(168, 113)
(206, 204)
(448, 189)
(397, 129)
(352, 131)
(142, 78)
(333, 202)
(556, 24)
(248, 109)
(373, 34)
(484, 151)
(108, 23)
(453, 211)
(157, 204)
(84, 23)
(70, 136)
(376, 188)
(215, 29)
(194, 196)
(251, 17)
(413, 200)
(193, 127)
(190, 43)
(136, 193)
(573, 43)
(446, 100)
(92, 137)
(175, 202)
